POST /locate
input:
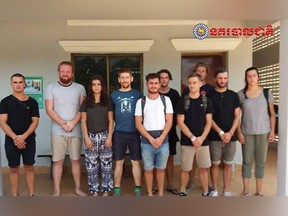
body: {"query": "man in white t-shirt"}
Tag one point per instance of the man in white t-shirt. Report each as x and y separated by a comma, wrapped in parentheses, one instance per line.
(153, 119)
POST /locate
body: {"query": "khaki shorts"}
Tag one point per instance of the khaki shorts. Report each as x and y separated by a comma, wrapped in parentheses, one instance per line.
(62, 145)
(187, 157)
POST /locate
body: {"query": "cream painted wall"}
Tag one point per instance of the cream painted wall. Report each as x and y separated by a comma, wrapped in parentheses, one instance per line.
(32, 48)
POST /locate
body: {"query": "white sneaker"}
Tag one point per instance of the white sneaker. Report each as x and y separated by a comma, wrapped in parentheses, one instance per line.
(227, 194)
(213, 193)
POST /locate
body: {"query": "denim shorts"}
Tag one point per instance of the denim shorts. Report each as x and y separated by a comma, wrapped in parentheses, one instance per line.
(154, 157)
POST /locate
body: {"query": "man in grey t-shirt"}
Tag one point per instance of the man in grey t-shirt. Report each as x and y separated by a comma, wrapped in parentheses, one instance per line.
(62, 104)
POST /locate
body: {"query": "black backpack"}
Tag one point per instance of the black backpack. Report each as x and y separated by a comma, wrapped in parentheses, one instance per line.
(187, 102)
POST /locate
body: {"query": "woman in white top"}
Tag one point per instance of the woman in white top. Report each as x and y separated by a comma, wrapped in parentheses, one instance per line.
(257, 128)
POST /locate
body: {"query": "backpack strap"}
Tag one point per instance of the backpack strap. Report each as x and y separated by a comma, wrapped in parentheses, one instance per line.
(143, 102)
(164, 102)
(186, 102)
(266, 95)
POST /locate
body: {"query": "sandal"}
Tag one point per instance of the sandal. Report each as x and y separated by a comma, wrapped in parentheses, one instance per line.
(172, 190)
(245, 194)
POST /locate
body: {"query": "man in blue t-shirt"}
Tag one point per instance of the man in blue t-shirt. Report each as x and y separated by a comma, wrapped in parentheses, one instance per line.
(125, 134)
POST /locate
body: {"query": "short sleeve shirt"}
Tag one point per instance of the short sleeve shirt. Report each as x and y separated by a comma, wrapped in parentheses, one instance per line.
(19, 113)
(195, 117)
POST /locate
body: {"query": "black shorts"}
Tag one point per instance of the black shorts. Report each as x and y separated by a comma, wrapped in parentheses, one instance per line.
(121, 140)
(173, 139)
(13, 154)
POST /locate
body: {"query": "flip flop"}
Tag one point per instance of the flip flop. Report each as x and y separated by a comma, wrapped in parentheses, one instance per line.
(172, 190)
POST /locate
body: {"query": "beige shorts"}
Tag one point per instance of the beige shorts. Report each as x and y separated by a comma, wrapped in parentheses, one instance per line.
(187, 157)
(62, 145)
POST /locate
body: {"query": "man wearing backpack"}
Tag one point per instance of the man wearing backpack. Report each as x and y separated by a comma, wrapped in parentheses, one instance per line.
(194, 117)
(153, 119)
(222, 136)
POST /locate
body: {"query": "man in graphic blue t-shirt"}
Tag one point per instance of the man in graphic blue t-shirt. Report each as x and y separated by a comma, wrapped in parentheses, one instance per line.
(125, 134)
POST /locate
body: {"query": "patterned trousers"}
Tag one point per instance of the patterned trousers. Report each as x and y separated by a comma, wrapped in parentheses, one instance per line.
(99, 159)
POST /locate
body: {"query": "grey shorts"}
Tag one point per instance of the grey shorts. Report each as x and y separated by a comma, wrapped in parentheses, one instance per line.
(218, 149)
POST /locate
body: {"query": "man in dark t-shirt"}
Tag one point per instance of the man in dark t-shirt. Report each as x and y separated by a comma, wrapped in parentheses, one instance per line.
(222, 136)
(19, 117)
(202, 69)
(125, 133)
(194, 115)
(165, 77)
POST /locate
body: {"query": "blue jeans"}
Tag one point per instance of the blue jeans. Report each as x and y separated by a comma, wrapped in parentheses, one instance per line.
(153, 157)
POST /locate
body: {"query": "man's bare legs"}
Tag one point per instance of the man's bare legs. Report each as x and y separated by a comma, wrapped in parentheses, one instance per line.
(149, 181)
(136, 171)
(76, 172)
(170, 172)
(57, 169)
(14, 180)
(192, 174)
(214, 176)
(227, 174)
(30, 179)
(204, 179)
(160, 180)
(118, 172)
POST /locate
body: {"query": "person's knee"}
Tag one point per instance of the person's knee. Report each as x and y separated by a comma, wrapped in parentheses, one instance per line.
(160, 171)
(119, 163)
(135, 163)
(75, 162)
(14, 170)
(203, 170)
(29, 168)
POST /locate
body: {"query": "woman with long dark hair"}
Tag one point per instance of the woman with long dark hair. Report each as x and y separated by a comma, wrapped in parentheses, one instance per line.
(97, 126)
(257, 128)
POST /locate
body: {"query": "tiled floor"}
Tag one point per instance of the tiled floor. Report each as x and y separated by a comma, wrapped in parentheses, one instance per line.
(44, 185)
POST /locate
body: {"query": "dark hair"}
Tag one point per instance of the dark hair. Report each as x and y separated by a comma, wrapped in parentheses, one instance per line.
(17, 75)
(103, 95)
(152, 76)
(202, 64)
(66, 63)
(124, 70)
(165, 71)
(219, 70)
(246, 72)
(194, 75)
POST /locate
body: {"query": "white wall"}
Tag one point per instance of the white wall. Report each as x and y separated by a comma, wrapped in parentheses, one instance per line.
(238, 61)
(32, 48)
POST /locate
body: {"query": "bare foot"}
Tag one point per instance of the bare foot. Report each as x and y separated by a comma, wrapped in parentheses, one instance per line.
(95, 194)
(79, 192)
(105, 194)
(56, 193)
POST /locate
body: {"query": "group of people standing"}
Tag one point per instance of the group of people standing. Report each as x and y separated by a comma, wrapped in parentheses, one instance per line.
(207, 116)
